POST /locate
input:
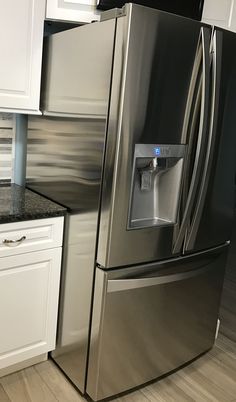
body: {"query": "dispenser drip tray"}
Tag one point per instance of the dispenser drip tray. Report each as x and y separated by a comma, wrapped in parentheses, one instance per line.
(143, 223)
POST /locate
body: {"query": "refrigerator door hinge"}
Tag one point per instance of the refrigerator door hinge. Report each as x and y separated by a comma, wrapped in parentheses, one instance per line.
(113, 13)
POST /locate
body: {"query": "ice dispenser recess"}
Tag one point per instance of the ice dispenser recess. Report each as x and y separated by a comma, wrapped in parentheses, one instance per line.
(156, 184)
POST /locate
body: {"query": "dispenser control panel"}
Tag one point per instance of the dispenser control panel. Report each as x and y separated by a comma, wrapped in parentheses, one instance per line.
(159, 151)
(163, 151)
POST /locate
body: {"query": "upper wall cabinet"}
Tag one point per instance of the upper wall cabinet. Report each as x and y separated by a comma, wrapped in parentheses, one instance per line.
(21, 41)
(221, 13)
(72, 10)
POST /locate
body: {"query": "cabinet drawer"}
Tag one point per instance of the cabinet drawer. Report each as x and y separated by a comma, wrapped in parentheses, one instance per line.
(28, 236)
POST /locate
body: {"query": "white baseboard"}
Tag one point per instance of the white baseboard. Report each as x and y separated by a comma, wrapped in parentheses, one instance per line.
(22, 365)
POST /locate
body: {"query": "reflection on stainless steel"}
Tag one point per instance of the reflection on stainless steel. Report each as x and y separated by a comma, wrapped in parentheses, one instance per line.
(64, 160)
(76, 293)
(142, 332)
(129, 167)
(68, 150)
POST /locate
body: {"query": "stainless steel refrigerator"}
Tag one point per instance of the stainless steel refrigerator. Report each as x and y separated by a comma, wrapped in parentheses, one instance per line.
(138, 142)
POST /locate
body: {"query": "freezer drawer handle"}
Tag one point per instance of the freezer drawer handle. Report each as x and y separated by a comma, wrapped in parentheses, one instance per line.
(14, 243)
(119, 285)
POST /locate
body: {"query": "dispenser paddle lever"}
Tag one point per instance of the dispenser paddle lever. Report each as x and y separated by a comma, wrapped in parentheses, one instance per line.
(146, 174)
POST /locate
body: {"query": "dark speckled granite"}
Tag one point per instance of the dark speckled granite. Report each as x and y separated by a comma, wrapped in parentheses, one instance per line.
(20, 204)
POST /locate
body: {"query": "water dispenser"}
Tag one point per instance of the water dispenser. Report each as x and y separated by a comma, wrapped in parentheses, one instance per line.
(156, 184)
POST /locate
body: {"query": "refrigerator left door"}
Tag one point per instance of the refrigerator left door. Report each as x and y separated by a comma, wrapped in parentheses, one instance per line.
(149, 320)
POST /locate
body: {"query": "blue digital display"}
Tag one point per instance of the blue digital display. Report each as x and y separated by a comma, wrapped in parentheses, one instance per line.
(157, 151)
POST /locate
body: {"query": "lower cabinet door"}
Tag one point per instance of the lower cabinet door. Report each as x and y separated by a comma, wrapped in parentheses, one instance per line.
(149, 320)
(29, 288)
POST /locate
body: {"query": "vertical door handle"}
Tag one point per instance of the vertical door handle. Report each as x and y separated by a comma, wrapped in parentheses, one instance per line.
(204, 84)
(216, 46)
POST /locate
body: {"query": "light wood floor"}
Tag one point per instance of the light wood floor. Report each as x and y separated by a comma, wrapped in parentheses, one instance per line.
(210, 378)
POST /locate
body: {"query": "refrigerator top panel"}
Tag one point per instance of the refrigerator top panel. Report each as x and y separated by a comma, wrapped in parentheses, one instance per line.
(187, 8)
(155, 55)
(76, 71)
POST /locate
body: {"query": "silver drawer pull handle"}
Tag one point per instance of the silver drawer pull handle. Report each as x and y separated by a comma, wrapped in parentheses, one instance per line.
(13, 243)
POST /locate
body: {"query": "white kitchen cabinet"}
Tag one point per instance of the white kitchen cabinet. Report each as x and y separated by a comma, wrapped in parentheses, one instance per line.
(21, 33)
(29, 292)
(221, 13)
(82, 11)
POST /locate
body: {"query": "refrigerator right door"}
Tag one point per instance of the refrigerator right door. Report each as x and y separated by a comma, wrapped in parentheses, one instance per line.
(150, 319)
(209, 222)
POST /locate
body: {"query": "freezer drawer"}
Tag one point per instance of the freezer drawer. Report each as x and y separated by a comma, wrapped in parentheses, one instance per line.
(149, 320)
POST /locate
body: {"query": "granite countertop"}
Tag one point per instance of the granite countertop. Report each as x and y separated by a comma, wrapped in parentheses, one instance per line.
(20, 204)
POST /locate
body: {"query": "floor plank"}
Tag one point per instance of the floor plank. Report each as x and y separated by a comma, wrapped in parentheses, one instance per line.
(226, 345)
(26, 386)
(201, 388)
(58, 384)
(220, 377)
(166, 390)
(136, 396)
(228, 310)
(3, 396)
